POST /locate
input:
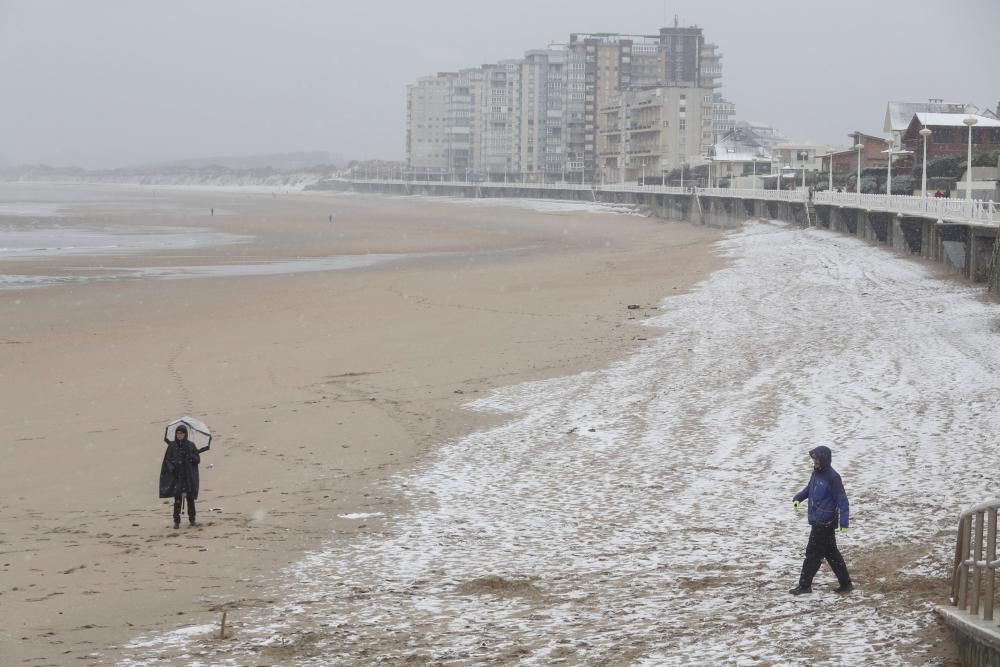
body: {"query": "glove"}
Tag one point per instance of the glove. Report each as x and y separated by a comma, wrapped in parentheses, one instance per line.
(843, 530)
(795, 504)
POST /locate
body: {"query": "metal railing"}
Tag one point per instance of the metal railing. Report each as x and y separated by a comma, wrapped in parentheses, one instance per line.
(948, 209)
(944, 208)
(973, 585)
(798, 196)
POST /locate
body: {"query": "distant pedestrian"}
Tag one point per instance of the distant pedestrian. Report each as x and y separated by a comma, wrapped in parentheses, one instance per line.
(179, 473)
(331, 218)
(213, 212)
(938, 194)
(827, 504)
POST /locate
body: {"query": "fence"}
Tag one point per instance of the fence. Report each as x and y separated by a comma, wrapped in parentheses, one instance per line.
(973, 584)
(952, 210)
(943, 208)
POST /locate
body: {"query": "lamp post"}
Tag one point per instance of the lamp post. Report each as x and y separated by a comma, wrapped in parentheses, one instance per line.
(753, 183)
(969, 121)
(923, 178)
(888, 173)
(859, 147)
(830, 175)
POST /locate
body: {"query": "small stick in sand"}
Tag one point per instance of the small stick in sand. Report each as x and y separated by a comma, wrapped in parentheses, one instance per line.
(222, 626)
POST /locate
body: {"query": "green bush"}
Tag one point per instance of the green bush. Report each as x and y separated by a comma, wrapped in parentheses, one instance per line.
(950, 166)
(941, 183)
(901, 185)
(987, 159)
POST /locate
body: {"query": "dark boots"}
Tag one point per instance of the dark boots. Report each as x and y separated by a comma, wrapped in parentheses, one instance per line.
(177, 511)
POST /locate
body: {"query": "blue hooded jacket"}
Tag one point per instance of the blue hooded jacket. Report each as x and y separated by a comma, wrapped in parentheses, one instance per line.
(825, 492)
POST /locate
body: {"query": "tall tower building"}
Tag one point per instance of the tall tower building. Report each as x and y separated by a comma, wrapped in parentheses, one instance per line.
(600, 66)
(441, 123)
(542, 116)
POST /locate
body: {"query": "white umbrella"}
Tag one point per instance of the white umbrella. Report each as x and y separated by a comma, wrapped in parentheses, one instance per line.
(198, 432)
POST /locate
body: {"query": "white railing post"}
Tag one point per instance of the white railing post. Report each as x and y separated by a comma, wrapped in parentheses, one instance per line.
(991, 558)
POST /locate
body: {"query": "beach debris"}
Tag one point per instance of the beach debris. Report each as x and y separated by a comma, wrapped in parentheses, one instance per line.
(222, 626)
(634, 306)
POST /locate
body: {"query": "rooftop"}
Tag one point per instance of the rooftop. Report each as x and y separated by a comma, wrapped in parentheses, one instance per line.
(899, 114)
(954, 120)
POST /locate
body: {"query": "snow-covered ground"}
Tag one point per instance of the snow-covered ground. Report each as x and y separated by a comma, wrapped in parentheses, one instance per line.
(641, 514)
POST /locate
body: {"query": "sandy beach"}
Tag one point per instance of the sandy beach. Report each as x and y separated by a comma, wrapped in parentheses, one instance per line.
(319, 384)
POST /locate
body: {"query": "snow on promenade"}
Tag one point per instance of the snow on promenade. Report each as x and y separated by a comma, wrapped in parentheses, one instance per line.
(642, 514)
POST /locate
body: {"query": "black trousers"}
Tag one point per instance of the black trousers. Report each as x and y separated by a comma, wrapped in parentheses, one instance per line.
(177, 507)
(823, 544)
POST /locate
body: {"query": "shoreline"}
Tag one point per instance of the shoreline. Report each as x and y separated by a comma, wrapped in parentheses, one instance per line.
(309, 430)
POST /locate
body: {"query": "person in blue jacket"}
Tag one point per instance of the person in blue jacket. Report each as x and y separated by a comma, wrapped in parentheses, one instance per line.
(828, 506)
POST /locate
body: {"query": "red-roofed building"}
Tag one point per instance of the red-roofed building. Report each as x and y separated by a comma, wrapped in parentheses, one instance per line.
(950, 136)
(873, 155)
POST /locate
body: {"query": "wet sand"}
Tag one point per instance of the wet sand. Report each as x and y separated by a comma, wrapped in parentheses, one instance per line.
(320, 386)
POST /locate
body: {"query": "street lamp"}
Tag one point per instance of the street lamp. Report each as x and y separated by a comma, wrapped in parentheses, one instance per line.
(753, 187)
(969, 121)
(925, 133)
(859, 147)
(888, 173)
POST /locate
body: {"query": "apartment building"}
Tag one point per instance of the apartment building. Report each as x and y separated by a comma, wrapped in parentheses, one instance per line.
(651, 131)
(500, 119)
(426, 123)
(722, 111)
(540, 98)
(543, 117)
(442, 123)
(601, 65)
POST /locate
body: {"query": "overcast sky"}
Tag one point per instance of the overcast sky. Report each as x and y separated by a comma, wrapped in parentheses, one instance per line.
(107, 83)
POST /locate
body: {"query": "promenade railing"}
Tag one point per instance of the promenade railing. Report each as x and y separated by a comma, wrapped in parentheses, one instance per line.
(942, 208)
(973, 585)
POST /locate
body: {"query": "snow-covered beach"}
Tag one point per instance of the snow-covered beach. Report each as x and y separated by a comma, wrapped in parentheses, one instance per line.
(641, 513)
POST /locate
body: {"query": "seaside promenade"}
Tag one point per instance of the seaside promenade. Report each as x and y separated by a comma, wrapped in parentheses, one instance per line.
(959, 233)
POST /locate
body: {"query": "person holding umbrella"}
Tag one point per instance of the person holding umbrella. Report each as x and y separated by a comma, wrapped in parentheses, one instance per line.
(179, 471)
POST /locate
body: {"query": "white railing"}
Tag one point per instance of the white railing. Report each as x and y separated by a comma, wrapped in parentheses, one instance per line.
(951, 210)
(799, 196)
(976, 551)
(943, 208)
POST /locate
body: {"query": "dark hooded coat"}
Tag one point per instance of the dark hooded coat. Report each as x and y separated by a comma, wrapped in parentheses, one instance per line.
(179, 472)
(825, 492)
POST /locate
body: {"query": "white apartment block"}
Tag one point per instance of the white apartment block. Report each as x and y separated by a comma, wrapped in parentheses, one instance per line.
(426, 124)
(542, 81)
(500, 120)
(649, 132)
(543, 117)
